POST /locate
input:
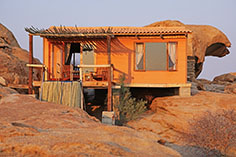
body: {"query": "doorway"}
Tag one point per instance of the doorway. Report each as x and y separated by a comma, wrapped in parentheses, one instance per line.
(88, 58)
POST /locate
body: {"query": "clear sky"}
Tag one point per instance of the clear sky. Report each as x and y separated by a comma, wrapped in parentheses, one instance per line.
(18, 14)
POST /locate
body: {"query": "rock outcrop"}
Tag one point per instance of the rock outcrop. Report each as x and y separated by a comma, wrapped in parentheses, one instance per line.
(225, 79)
(7, 38)
(4, 91)
(225, 83)
(13, 59)
(29, 127)
(204, 41)
(230, 89)
(170, 115)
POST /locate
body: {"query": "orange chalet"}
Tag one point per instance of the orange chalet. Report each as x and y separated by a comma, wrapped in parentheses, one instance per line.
(150, 58)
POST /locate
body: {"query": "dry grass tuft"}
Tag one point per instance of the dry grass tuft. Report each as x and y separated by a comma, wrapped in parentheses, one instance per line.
(213, 131)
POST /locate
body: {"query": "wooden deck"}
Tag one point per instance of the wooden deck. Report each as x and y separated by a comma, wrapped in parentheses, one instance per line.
(161, 85)
(95, 84)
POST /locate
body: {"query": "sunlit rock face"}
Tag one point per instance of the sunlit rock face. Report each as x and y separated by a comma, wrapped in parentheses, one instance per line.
(205, 41)
(29, 127)
(14, 59)
(7, 37)
(170, 115)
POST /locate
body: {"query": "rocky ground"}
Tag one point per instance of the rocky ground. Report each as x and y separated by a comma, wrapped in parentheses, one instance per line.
(169, 116)
(29, 127)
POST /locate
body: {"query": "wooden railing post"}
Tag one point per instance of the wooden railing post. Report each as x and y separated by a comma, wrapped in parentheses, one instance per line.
(71, 72)
(112, 72)
(30, 90)
(81, 74)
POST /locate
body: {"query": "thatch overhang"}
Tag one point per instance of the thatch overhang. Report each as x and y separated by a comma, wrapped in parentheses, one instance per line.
(91, 32)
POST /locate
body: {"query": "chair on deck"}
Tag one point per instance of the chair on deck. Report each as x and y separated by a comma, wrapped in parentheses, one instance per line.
(69, 73)
(101, 74)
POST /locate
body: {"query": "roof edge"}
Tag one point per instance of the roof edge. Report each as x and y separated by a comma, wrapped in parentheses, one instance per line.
(104, 31)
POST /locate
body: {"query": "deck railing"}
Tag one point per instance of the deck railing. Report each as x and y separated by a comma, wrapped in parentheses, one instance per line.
(84, 73)
(95, 72)
(33, 83)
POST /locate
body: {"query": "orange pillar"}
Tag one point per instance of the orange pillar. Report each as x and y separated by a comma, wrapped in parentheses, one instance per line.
(109, 88)
(30, 89)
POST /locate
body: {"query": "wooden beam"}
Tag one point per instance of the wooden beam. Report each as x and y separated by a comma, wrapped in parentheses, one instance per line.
(35, 65)
(109, 88)
(18, 86)
(94, 66)
(49, 60)
(97, 84)
(63, 59)
(71, 72)
(30, 89)
(159, 85)
(53, 56)
(37, 83)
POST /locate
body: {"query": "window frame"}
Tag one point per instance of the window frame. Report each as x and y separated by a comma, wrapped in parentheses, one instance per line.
(144, 56)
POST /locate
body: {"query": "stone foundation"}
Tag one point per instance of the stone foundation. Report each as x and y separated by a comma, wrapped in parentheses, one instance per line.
(190, 68)
(184, 91)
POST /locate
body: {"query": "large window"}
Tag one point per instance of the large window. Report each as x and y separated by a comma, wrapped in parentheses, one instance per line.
(155, 56)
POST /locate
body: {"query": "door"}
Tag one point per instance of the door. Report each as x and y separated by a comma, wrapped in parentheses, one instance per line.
(88, 59)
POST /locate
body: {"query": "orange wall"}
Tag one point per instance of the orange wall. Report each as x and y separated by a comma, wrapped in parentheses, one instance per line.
(55, 58)
(122, 57)
(123, 49)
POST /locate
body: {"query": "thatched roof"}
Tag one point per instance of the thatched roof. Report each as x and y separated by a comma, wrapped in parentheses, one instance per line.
(63, 31)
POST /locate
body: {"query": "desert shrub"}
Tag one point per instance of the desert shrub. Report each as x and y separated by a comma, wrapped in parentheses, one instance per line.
(128, 107)
(213, 131)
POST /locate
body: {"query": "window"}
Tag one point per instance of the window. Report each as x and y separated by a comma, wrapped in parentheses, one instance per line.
(171, 56)
(155, 56)
(139, 56)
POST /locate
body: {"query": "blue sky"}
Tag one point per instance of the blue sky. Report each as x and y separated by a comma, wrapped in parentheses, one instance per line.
(18, 14)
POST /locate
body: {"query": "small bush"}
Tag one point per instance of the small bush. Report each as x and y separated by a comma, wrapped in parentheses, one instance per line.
(128, 107)
(213, 131)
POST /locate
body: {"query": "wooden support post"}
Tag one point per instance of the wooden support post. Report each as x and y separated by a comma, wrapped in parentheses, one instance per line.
(82, 97)
(49, 60)
(71, 72)
(81, 74)
(109, 88)
(52, 56)
(30, 62)
(62, 60)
